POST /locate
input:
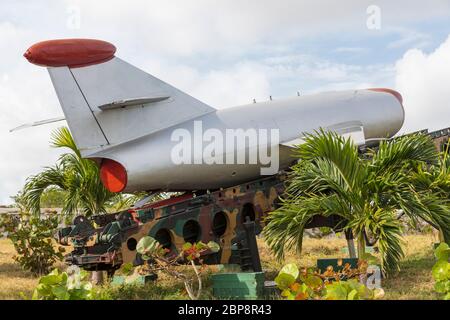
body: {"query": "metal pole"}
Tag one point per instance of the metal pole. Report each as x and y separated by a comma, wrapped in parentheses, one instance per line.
(252, 244)
(350, 243)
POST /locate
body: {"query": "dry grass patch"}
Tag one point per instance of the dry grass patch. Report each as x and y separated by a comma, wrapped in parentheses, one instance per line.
(13, 280)
(15, 283)
(312, 250)
(414, 281)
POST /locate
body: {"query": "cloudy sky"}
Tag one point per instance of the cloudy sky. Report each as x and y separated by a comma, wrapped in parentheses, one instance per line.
(227, 53)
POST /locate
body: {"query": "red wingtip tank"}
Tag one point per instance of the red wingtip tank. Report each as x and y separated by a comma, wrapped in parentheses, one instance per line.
(72, 53)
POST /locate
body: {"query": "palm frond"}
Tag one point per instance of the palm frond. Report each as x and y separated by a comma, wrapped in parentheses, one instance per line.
(285, 226)
(62, 138)
(37, 184)
(343, 153)
(393, 154)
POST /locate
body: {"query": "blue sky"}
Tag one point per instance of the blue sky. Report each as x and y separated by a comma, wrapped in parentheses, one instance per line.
(227, 53)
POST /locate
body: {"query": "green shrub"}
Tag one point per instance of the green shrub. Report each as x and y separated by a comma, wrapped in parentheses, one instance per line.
(441, 270)
(53, 197)
(32, 238)
(151, 250)
(70, 285)
(308, 284)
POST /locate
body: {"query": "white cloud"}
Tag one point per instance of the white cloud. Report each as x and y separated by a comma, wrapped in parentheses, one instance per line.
(354, 50)
(280, 76)
(219, 87)
(24, 152)
(423, 79)
(183, 28)
(410, 38)
(309, 74)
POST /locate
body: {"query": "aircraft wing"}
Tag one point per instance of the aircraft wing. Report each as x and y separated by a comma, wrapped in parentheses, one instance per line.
(352, 129)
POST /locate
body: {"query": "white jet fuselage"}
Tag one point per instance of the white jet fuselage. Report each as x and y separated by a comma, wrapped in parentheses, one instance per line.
(148, 159)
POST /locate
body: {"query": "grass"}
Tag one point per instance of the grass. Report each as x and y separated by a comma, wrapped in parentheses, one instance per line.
(414, 281)
(313, 249)
(165, 288)
(13, 280)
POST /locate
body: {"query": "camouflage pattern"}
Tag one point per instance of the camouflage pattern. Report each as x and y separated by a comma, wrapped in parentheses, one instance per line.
(105, 242)
(216, 216)
(441, 139)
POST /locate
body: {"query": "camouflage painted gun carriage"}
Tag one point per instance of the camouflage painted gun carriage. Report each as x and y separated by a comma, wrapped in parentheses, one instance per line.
(105, 242)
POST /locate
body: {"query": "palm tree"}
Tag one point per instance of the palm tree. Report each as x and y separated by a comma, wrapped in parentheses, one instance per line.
(369, 192)
(79, 178)
(435, 178)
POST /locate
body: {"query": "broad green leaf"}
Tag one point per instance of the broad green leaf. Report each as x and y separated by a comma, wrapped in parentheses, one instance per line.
(364, 292)
(190, 257)
(35, 295)
(290, 269)
(147, 245)
(41, 290)
(60, 292)
(286, 293)
(201, 246)
(352, 284)
(336, 291)
(353, 295)
(54, 272)
(64, 277)
(213, 246)
(440, 270)
(84, 275)
(442, 252)
(284, 280)
(187, 246)
(313, 281)
(440, 286)
(50, 279)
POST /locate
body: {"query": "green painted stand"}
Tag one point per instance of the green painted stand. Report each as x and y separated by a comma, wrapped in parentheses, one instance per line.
(322, 264)
(238, 285)
(225, 268)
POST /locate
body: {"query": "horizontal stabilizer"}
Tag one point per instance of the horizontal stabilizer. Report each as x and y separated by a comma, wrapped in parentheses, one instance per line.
(37, 123)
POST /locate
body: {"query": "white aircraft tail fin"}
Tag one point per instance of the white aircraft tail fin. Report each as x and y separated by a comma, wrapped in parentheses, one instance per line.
(107, 101)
